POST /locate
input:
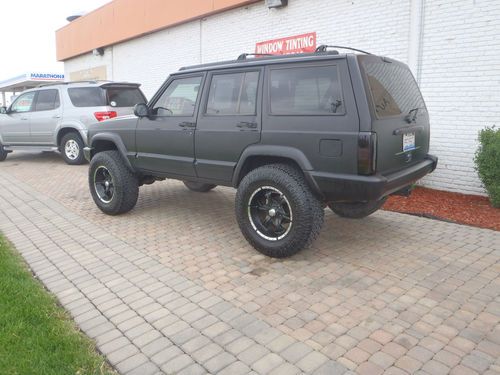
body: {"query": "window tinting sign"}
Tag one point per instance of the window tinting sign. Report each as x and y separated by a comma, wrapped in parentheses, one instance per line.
(284, 46)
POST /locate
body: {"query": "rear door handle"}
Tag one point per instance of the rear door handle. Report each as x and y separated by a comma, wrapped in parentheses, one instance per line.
(187, 124)
(24, 118)
(56, 116)
(408, 129)
(245, 124)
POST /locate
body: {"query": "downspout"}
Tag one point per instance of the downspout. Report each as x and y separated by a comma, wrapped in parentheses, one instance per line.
(415, 37)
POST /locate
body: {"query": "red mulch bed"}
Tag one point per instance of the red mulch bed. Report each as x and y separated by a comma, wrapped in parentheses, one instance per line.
(459, 208)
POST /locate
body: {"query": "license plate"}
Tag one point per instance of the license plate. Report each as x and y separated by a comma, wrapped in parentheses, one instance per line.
(408, 141)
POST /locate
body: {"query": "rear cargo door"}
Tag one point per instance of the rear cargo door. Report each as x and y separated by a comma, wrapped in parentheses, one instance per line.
(400, 118)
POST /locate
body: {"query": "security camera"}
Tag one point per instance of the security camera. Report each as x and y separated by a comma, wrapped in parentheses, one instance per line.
(98, 51)
(276, 3)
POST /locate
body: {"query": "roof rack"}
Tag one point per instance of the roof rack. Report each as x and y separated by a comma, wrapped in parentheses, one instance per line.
(244, 56)
(324, 48)
(242, 59)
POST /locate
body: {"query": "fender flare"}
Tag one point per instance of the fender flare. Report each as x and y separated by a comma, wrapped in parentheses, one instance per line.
(75, 125)
(277, 151)
(117, 141)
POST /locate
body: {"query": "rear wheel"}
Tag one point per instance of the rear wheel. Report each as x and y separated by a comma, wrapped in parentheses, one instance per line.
(113, 186)
(356, 210)
(276, 211)
(3, 153)
(199, 186)
(72, 149)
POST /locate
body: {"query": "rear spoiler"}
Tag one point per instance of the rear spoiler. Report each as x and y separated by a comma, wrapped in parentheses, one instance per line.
(120, 84)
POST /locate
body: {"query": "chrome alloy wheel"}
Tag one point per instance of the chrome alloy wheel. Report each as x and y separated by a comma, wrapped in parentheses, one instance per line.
(270, 213)
(104, 184)
(71, 149)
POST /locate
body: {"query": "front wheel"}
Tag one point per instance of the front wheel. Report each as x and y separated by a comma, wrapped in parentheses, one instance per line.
(72, 149)
(113, 186)
(199, 187)
(356, 210)
(276, 211)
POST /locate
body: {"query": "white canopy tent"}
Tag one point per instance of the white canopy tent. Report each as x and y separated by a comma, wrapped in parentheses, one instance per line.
(27, 81)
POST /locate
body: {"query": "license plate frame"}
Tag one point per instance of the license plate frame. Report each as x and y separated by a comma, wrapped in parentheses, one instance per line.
(408, 142)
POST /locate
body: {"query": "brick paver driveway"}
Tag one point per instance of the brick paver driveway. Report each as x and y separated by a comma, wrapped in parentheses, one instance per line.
(173, 287)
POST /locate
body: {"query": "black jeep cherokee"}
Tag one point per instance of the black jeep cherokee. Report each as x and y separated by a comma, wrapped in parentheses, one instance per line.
(292, 133)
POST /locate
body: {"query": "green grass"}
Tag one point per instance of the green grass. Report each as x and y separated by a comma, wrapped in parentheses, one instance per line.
(36, 335)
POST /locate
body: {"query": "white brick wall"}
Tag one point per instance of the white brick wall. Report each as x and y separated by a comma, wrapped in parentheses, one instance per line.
(460, 69)
(460, 81)
(89, 61)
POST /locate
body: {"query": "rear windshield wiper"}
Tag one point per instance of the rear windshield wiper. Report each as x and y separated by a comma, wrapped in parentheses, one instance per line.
(412, 118)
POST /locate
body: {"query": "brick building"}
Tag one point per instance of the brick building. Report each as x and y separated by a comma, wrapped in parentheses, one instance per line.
(452, 48)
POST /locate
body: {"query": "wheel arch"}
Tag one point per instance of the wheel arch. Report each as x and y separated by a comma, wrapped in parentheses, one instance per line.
(259, 155)
(68, 128)
(107, 142)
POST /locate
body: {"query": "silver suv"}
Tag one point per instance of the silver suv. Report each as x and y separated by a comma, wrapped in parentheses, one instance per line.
(56, 117)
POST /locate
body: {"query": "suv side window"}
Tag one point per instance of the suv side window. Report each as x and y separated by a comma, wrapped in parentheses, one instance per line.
(233, 94)
(313, 90)
(47, 100)
(179, 99)
(23, 103)
(87, 96)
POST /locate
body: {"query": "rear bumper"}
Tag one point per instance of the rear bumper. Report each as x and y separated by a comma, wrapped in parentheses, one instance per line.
(339, 187)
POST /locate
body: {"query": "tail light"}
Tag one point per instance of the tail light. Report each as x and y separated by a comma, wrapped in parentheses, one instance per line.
(101, 116)
(367, 153)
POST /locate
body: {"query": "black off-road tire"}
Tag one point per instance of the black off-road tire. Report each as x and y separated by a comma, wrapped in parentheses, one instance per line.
(199, 187)
(125, 183)
(3, 153)
(356, 210)
(72, 137)
(307, 210)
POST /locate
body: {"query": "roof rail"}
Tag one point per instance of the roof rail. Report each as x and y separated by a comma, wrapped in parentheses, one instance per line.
(324, 48)
(90, 82)
(244, 56)
(65, 83)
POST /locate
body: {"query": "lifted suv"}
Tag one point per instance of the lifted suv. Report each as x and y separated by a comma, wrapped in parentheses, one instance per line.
(56, 117)
(292, 133)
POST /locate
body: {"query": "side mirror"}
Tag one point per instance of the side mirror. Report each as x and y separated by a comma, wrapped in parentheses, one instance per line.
(141, 110)
(3, 110)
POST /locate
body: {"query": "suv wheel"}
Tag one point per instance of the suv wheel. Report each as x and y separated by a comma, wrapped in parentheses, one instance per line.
(199, 186)
(72, 149)
(113, 186)
(276, 211)
(356, 210)
(3, 153)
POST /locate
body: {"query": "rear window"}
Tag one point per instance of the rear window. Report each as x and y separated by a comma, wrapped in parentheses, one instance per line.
(87, 96)
(124, 96)
(112, 96)
(233, 94)
(313, 90)
(393, 88)
(47, 100)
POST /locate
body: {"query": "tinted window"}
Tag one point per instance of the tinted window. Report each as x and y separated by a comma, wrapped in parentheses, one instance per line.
(87, 96)
(124, 97)
(47, 100)
(233, 94)
(304, 91)
(179, 99)
(23, 103)
(393, 89)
